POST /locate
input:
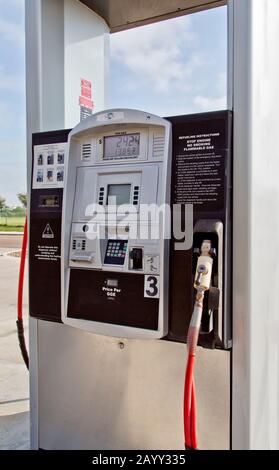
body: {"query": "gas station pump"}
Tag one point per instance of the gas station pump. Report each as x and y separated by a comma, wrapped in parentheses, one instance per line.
(109, 377)
(95, 263)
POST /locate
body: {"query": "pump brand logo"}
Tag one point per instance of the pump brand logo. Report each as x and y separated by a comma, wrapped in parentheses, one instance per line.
(111, 116)
(48, 232)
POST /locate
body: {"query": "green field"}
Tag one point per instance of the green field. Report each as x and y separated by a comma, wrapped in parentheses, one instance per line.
(11, 224)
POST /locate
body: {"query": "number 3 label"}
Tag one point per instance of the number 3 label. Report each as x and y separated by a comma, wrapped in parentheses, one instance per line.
(152, 287)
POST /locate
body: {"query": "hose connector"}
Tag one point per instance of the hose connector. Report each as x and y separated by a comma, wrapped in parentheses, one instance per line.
(202, 284)
(204, 267)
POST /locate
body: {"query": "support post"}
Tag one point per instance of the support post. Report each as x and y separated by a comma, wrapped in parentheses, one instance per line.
(65, 42)
(255, 386)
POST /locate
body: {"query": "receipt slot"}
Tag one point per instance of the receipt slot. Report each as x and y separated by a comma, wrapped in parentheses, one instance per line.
(113, 274)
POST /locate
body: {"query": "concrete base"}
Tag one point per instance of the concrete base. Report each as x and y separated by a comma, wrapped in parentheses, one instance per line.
(13, 432)
(14, 388)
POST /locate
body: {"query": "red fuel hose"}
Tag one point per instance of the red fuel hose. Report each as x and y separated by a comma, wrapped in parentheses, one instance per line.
(19, 323)
(202, 284)
(190, 414)
(190, 431)
(194, 435)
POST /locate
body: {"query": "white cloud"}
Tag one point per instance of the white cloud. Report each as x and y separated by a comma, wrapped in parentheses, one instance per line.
(6, 118)
(14, 3)
(156, 54)
(12, 148)
(209, 103)
(214, 102)
(12, 83)
(11, 32)
(13, 169)
(222, 83)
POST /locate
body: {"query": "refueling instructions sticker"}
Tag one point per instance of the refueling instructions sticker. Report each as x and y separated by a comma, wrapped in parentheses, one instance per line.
(49, 166)
(199, 165)
(152, 287)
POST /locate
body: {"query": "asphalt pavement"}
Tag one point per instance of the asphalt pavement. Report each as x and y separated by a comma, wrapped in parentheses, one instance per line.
(14, 388)
(9, 242)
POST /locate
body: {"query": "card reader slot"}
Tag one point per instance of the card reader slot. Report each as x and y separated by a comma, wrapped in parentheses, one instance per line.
(83, 258)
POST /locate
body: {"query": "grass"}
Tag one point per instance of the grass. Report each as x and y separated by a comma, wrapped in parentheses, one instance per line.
(12, 224)
(9, 228)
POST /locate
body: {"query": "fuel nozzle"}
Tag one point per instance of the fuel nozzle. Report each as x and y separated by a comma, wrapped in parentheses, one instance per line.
(202, 284)
(204, 267)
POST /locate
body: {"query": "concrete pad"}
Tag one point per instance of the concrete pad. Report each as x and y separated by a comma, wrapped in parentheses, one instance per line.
(14, 377)
(13, 434)
(5, 250)
(10, 241)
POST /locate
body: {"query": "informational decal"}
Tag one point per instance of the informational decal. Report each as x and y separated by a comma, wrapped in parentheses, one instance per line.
(47, 253)
(152, 264)
(47, 248)
(111, 289)
(152, 287)
(48, 232)
(49, 166)
(199, 165)
(85, 100)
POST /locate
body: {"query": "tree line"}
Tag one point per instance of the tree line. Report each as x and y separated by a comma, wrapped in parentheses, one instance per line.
(22, 197)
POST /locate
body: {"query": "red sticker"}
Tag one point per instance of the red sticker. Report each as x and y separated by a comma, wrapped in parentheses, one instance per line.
(86, 92)
(86, 102)
(86, 83)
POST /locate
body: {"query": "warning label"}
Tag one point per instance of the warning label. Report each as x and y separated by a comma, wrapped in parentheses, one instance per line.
(199, 179)
(199, 169)
(47, 253)
(48, 232)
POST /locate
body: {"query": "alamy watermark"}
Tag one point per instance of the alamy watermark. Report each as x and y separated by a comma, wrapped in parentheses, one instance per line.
(142, 222)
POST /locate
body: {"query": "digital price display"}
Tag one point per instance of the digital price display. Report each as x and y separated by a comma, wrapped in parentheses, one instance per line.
(121, 146)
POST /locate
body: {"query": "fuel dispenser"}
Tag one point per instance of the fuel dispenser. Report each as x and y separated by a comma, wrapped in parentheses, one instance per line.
(93, 264)
(119, 162)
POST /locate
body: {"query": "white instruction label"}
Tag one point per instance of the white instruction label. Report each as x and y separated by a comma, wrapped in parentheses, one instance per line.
(49, 166)
(48, 253)
(152, 264)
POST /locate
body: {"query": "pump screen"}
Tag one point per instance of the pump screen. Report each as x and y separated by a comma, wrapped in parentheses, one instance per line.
(121, 146)
(49, 201)
(119, 194)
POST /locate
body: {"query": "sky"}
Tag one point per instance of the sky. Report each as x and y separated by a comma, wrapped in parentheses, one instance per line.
(12, 100)
(168, 68)
(174, 67)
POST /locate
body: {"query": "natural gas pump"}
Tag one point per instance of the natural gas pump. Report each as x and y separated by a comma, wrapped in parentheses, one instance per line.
(115, 260)
(105, 253)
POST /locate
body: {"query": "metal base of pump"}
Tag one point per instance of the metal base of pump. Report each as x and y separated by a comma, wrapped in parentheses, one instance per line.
(124, 397)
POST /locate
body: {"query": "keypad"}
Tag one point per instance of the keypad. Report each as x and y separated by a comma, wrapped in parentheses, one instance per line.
(79, 244)
(116, 252)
